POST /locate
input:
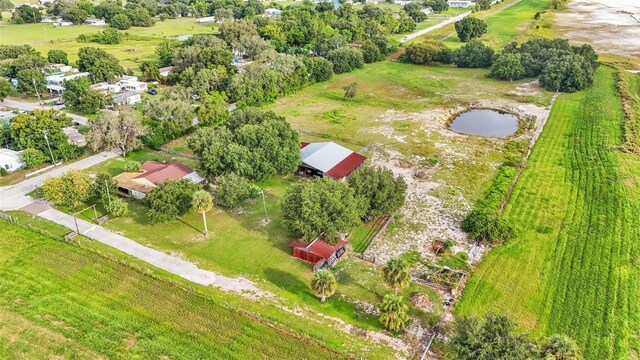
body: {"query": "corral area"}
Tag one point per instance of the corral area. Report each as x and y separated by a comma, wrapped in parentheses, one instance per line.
(572, 268)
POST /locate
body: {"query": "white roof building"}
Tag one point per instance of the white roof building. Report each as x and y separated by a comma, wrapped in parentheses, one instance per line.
(329, 159)
(10, 160)
(60, 78)
(131, 83)
(74, 137)
(128, 97)
(460, 3)
(95, 22)
(273, 12)
(205, 19)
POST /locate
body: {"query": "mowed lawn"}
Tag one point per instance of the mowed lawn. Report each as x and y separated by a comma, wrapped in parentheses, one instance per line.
(139, 46)
(573, 266)
(61, 301)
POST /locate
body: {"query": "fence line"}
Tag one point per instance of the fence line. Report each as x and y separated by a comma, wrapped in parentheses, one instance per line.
(8, 217)
(380, 232)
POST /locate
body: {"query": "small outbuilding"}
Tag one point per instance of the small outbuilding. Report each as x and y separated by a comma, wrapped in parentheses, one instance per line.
(328, 159)
(318, 251)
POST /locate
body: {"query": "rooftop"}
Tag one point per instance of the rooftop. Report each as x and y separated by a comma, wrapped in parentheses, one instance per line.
(332, 159)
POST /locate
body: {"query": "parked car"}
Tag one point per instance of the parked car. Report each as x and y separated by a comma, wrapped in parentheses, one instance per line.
(59, 101)
(152, 92)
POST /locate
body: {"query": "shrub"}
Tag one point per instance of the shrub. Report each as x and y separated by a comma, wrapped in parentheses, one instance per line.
(345, 59)
(473, 54)
(232, 190)
(32, 158)
(132, 166)
(470, 28)
(482, 225)
(428, 53)
(116, 207)
(170, 200)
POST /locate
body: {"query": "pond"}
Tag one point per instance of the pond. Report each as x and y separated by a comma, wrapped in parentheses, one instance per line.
(484, 122)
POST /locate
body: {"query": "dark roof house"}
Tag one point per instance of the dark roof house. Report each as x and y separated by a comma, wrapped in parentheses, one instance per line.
(329, 159)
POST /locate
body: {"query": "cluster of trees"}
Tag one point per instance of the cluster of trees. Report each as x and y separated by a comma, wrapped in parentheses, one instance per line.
(78, 94)
(101, 65)
(134, 13)
(252, 143)
(428, 52)
(40, 135)
(495, 337)
(120, 129)
(75, 188)
(25, 64)
(470, 28)
(558, 65)
(166, 119)
(486, 226)
(107, 37)
(333, 208)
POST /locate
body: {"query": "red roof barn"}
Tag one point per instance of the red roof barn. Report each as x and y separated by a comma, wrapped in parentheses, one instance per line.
(329, 159)
(318, 250)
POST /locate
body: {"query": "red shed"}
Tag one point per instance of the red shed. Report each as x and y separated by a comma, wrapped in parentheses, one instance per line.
(318, 250)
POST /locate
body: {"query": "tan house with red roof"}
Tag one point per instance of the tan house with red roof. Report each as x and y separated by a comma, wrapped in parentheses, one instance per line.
(139, 184)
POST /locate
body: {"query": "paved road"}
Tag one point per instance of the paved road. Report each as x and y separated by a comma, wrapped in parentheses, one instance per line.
(22, 105)
(435, 27)
(14, 197)
(172, 264)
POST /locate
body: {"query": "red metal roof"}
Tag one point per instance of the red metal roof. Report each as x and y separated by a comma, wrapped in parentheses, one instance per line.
(157, 172)
(303, 145)
(346, 166)
(318, 247)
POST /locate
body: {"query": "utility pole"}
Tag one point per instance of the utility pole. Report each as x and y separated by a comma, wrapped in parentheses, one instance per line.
(35, 87)
(53, 161)
(106, 185)
(264, 203)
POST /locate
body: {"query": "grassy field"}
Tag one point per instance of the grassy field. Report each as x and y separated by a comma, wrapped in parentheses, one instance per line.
(140, 46)
(506, 21)
(58, 300)
(573, 267)
(242, 244)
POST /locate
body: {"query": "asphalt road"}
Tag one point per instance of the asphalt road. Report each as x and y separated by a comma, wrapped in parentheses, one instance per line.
(22, 105)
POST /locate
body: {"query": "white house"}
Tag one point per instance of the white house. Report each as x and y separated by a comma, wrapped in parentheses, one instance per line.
(10, 160)
(461, 3)
(74, 137)
(59, 78)
(131, 83)
(165, 71)
(272, 12)
(127, 97)
(59, 68)
(95, 22)
(62, 23)
(205, 19)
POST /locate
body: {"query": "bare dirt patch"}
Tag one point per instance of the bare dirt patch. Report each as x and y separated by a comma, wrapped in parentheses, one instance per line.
(434, 206)
(610, 26)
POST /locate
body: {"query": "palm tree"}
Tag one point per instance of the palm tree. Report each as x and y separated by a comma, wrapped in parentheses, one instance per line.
(323, 284)
(394, 313)
(560, 347)
(396, 274)
(202, 202)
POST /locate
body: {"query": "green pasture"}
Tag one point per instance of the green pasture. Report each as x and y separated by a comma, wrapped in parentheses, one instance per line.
(573, 266)
(139, 46)
(60, 301)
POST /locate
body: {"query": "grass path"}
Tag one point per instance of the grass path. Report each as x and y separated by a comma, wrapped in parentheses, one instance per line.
(573, 267)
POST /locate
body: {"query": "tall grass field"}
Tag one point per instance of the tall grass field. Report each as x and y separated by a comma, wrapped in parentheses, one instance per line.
(573, 266)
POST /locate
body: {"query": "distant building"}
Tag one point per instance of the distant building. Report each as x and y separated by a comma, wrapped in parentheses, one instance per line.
(138, 185)
(95, 22)
(165, 71)
(59, 68)
(131, 83)
(62, 23)
(328, 159)
(127, 97)
(10, 160)
(206, 19)
(106, 88)
(460, 3)
(60, 77)
(272, 12)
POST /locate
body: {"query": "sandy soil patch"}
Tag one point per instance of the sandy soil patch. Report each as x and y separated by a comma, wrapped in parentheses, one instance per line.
(610, 26)
(434, 209)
